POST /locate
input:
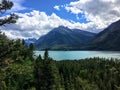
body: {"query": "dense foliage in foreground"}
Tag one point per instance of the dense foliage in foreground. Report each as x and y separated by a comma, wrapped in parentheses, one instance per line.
(20, 71)
(90, 74)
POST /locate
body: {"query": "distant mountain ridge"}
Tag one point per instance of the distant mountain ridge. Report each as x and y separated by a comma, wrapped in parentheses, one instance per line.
(63, 38)
(108, 39)
(29, 41)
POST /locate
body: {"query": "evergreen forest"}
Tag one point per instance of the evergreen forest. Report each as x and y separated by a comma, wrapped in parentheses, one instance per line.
(20, 69)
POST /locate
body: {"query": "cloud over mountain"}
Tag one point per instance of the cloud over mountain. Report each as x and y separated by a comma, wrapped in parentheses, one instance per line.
(36, 23)
(100, 12)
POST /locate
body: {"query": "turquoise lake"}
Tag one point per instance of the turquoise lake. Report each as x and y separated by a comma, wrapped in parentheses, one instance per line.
(73, 55)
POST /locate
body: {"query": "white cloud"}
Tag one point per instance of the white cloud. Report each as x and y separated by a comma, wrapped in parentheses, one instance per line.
(73, 10)
(36, 24)
(18, 5)
(100, 12)
(57, 7)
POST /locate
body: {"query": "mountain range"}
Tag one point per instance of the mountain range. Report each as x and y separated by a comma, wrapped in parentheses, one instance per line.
(64, 38)
(108, 39)
(29, 41)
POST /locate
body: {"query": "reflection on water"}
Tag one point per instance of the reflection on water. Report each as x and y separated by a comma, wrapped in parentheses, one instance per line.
(72, 55)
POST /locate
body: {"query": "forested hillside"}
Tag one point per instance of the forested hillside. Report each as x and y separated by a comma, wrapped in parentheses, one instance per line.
(108, 39)
(15, 58)
(20, 71)
(90, 74)
(15, 64)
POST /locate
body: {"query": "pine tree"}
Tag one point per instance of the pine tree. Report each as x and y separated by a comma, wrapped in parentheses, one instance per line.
(4, 42)
(30, 51)
(46, 73)
(38, 73)
(3, 85)
(31, 47)
(46, 54)
(6, 5)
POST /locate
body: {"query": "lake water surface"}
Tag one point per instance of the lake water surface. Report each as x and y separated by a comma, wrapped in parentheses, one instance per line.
(72, 55)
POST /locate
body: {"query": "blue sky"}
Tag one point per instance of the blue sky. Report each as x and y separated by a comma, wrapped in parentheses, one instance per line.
(38, 17)
(47, 6)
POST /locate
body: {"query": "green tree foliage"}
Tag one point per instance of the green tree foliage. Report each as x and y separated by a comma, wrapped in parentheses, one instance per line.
(46, 56)
(3, 85)
(19, 70)
(4, 42)
(38, 73)
(16, 68)
(20, 73)
(90, 74)
(46, 73)
(6, 5)
(31, 49)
